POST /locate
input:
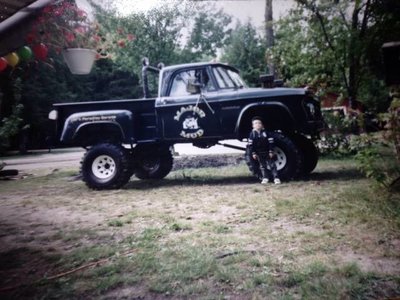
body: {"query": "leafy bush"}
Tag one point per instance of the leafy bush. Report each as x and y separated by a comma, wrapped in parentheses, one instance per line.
(370, 159)
(392, 121)
(373, 152)
(379, 166)
(336, 139)
(376, 159)
(10, 127)
(378, 154)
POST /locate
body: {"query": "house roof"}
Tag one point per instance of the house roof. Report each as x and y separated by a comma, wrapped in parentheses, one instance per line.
(14, 17)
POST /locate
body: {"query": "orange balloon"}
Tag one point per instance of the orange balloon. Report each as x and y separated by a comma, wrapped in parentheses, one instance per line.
(12, 59)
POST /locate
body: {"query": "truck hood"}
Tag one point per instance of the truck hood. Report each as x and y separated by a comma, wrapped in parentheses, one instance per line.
(256, 93)
(274, 92)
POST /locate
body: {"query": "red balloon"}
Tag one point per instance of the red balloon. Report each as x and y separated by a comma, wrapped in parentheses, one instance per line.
(3, 64)
(40, 51)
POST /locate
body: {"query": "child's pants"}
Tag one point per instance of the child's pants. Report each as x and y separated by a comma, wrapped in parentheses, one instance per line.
(267, 164)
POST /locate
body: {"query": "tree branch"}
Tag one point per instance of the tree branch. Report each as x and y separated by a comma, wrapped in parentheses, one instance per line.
(364, 22)
(313, 8)
(344, 19)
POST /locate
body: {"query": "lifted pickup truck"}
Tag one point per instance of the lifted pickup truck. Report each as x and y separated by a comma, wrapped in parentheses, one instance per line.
(198, 103)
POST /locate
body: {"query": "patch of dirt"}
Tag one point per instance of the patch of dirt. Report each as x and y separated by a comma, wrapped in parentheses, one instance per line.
(291, 227)
(369, 262)
(32, 236)
(52, 216)
(138, 292)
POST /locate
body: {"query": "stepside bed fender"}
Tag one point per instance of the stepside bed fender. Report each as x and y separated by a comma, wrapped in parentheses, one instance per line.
(275, 115)
(93, 126)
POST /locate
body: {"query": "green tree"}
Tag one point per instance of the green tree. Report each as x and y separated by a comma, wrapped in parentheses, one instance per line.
(210, 32)
(10, 110)
(246, 51)
(337, 46)
(300, 54)
(171, 33)
(156, 35)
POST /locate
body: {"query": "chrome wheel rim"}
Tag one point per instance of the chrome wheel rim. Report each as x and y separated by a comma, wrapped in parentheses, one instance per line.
(103, 167)
(281, 158)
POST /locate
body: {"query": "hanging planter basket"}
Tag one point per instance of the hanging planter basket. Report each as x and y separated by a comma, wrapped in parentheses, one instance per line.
(79, 60)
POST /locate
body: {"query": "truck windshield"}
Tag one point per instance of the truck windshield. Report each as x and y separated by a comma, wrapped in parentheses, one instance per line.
(228, 79)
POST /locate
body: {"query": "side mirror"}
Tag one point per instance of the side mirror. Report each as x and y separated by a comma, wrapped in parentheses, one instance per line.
(193, 86)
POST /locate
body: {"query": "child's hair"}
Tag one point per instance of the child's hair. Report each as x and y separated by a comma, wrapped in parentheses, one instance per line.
(256, 119)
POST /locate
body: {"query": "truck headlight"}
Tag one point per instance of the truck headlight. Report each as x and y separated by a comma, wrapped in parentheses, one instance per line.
(53, 115)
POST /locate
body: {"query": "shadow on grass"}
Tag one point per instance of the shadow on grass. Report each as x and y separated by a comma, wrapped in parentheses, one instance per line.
(190, 181)
(339, 175)
(198, 180)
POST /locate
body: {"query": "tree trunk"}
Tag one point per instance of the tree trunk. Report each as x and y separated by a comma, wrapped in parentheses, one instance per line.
(359, 23)
(352, 57)
(269, 33)
(394, 120)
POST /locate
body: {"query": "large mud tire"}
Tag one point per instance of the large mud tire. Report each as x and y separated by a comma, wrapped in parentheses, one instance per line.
(289, 158)
(153, 163)
(309, 151)
(106, 166)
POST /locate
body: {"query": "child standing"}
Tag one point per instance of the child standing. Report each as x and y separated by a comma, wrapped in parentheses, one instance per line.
(261, 148)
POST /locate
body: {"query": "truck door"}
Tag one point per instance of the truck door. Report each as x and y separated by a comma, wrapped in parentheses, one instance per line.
(186, 115)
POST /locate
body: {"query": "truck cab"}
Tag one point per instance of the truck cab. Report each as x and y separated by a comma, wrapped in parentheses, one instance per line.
(222, 106)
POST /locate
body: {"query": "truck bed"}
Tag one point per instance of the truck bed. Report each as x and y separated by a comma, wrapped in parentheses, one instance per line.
(143, 114)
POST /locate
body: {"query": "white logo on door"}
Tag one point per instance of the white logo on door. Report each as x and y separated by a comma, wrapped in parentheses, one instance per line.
(190, 127)
(190, 123)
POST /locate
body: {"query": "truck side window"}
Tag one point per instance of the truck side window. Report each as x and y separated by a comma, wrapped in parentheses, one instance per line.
(181, 79)
(179, 84)
(223, 79)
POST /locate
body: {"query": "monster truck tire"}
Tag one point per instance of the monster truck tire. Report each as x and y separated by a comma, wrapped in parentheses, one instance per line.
(153, 163)
(106, 166)
(289, 158)
(309, 151)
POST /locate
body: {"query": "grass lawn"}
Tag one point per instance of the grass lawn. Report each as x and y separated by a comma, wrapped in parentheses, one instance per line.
(210, 233)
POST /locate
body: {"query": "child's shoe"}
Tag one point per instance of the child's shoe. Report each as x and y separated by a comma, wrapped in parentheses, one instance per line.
(277, 181)
(264, 181)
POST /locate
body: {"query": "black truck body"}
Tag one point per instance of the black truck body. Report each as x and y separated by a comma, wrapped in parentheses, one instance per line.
(201, 103)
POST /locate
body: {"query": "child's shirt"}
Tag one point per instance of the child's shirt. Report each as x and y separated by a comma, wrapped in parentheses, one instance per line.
(260, 142)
